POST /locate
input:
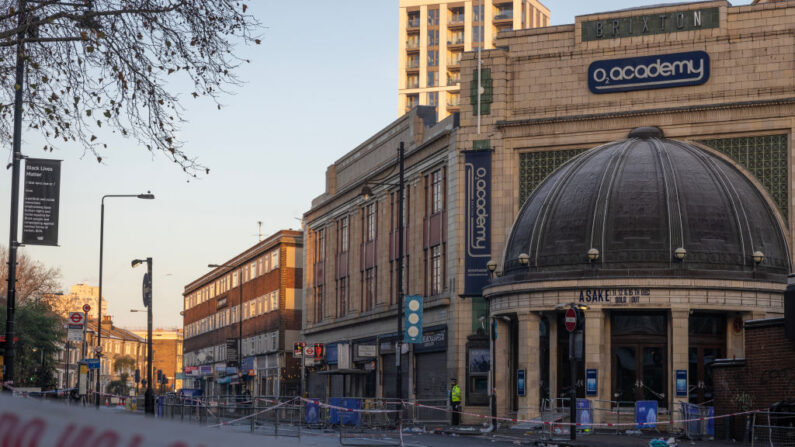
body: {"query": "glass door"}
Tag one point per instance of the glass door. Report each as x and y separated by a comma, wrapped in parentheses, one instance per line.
(639, 373)
(700, 359)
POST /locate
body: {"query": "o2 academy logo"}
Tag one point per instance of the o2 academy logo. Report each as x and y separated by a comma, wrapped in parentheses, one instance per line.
(648, 72)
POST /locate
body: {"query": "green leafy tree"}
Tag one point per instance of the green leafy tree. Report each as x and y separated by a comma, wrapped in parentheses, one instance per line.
(41, 334)
(101, 67)
(122, 366)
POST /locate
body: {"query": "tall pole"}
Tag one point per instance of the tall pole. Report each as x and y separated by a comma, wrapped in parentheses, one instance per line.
(149, 396)
(398, 350)
(13, 227)
(99, 299)
(66, 384)
(481, 40)
(573, 396)
(240, 334)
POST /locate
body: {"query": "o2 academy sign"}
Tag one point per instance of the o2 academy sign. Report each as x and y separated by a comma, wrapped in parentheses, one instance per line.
(646, 24)
(648, 72)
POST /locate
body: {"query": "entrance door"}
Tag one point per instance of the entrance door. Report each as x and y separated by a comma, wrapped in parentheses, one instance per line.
(700, 359)
(640, 357)
(640, 372)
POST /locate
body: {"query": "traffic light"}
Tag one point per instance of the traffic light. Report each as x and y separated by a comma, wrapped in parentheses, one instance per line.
(159, 375)
(412, 329)
(137, 375)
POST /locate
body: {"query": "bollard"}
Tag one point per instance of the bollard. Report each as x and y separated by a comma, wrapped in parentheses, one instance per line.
(276, 426)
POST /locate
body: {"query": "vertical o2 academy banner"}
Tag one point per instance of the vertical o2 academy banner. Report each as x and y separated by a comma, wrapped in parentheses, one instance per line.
(40, 206)
(477, 172)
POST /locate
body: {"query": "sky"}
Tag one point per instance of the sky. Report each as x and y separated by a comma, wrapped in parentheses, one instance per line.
(323, 80)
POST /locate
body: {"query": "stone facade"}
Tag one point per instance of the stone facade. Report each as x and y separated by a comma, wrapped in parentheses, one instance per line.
(541, 113)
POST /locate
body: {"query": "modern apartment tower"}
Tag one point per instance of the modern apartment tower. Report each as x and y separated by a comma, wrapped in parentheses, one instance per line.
(433, 36)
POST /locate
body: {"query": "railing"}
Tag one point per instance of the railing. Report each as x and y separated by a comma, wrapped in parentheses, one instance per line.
(412, 44)
(412, 64)
(456, 20)
(456, 41)
(414, 23)
(773, 429)
(505, 15)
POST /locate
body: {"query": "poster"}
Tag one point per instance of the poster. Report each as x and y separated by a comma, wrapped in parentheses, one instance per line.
(520, 382)
(646, 414)
(681, 383)
(591, 382)
(41, 203)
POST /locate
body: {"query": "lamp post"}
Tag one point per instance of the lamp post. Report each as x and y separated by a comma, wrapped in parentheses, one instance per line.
(366, 193)
(147, 196)
(578, 312)
(149, 395)
(137, 360)
(239, 320)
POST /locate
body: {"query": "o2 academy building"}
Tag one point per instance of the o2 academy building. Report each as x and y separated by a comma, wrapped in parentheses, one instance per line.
(636, 164)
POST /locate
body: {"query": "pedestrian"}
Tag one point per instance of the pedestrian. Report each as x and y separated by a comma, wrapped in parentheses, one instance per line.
(455, 400)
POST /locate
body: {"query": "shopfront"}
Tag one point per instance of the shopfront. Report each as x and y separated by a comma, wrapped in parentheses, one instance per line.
(386, 344)
(431, 378)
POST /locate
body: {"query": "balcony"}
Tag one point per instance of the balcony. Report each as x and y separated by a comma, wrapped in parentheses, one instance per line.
(504, 16)
(413, 65)
(413, 84)
(413, 45)
(413, 23)
(456, 21)
(454, 61)
(456, 42)
(453, 81)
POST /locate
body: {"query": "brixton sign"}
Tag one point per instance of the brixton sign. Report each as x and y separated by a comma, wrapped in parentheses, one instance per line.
(647, 24)
(648, 72)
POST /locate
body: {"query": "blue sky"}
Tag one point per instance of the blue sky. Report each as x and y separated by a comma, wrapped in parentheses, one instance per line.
(319, 84)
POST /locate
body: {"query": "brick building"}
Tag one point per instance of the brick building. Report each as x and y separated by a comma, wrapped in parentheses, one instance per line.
(351, 263)
(262, 288)
(718, 80)
(765, 376)
(166, 356)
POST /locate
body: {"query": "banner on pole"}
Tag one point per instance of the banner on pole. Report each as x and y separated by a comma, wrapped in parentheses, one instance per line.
(477, 226)
(41, 202)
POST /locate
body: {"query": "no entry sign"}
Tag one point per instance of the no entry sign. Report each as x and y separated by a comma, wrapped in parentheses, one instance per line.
(86, 308)
(570, 320)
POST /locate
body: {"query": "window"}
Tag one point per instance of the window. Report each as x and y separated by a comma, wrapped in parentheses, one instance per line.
(253, 270)
(261, 265)
(433, 81)
(245, 311)
(412, 101)
(320, 246)
(412, 81)
(436, 270)
(342, 296)
(433, 97)
(370, 225)
(319, 303)
(275, 259)
(275, 300)
(344, 237)
(369, 289)
(433, 58)
(433, 37)
(234, 279)
(252, 308)
(433, 17)
(477, 32)
(436, 192)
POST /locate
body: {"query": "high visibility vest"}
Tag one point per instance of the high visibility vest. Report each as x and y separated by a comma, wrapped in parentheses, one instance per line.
(455, 394)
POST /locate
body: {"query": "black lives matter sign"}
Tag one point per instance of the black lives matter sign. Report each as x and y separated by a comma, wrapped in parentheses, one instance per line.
(42, 196)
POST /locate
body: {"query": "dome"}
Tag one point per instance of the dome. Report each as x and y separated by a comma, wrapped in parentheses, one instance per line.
(647, 206)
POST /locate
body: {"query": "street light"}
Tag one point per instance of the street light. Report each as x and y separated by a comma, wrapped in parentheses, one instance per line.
(149, 395)
(366, 194)
(147, 196)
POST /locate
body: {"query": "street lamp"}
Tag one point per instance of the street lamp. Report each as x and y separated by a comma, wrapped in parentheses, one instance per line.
(147, 196)
(366, 194)
(149, 395)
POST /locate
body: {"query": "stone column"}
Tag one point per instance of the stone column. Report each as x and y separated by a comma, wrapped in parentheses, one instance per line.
(553, 355)
(504, 368)
(597, 356)
(680, 344)
(529, 351)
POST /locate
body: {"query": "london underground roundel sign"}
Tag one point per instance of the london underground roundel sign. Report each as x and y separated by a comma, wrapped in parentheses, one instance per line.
(76, 318)
(570, 320)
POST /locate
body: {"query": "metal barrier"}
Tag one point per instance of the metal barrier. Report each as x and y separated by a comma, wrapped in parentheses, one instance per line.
(773, 429)
(420, 416)
(698, 420)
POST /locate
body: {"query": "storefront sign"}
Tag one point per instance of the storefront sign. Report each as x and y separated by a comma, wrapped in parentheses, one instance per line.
(648, 72)
(612, 296)
(365, 351)
(681, 383)
(248, 363)
(231, 350)
(520, 382)
(433, 339)
(41, 202)
(591, 382)
(221, 303)
(477, 166)
(343, 356)
(206, 370)
(647, 24)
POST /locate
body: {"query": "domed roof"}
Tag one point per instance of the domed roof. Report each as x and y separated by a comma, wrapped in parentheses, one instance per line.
(633, 203)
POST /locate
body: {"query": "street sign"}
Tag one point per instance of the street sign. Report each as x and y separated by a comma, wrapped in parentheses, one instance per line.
(76, 318)
(298, 349)
(98, 349)
(309, 351)
(91, 363)
(86, 308)
(570, 320)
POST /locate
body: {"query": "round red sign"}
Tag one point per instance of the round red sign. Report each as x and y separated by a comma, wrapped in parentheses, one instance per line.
(76, 317)
(86, 308)
(570, 320)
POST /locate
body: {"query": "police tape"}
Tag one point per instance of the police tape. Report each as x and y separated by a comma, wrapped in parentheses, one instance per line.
(583, 424)
(346, 409)
(265, 410)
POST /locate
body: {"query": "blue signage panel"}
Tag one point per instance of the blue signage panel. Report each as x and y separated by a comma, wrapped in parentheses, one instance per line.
(520, 382)
(331, 354)
(92, 363)
(412, 325)
(646, 414)
(584, 414)
(591, 382)
(648, 72)
(477, 225)
(681, 383)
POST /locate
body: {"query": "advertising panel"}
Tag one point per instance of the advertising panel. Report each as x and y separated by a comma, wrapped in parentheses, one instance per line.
(41, 202)
(477, 245)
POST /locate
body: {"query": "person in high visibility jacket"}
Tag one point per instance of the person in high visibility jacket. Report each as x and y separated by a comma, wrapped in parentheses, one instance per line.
(455, 400)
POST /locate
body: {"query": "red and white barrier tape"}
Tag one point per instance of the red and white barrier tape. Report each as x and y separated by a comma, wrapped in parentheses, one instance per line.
(348, 410)
(581, 424)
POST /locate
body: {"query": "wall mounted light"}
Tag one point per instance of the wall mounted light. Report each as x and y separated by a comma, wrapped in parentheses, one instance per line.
(680, 253)
(758, 257)
(593, 254)
(524, 259)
